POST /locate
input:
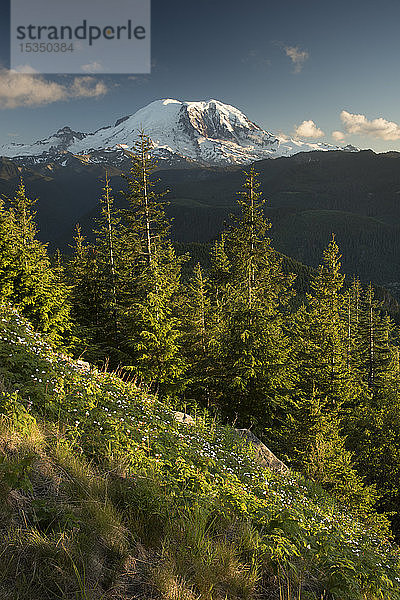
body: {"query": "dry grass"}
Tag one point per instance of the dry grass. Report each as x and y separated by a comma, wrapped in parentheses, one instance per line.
(61, 537)
(71, 532)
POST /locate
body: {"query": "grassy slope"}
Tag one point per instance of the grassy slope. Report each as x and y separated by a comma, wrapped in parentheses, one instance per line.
(104, 495)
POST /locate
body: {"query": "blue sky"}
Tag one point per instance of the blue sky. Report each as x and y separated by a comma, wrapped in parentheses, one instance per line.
(314, 65)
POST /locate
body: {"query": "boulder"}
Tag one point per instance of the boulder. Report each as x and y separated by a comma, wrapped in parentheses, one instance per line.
(183, 418)
(265, 457)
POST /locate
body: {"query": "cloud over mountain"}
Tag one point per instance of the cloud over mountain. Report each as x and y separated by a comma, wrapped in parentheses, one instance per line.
(29, 90)
(338, 136)
(308, 129)
(380, 127)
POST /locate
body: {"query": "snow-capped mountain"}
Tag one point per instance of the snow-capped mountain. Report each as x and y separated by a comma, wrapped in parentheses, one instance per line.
(207, 133)
(51, 146)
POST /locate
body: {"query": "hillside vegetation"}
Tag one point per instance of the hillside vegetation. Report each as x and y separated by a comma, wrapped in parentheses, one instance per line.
(105, 495)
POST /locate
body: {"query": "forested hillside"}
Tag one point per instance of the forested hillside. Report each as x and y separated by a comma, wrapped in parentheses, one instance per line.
(309, 195)
(106, 496)
(314, 371)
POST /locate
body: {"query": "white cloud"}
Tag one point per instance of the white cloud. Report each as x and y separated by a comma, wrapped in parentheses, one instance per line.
(93, 67)
(24, 89)
(297, 56)
(308, 129)
(380, 127)
(25, 69)
(86, 87)
(282, 136)
(339, 136)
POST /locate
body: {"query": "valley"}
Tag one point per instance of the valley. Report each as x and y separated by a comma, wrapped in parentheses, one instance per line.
(308, 196)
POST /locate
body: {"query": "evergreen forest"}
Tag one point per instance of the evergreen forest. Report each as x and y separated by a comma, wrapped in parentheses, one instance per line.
(226, 337)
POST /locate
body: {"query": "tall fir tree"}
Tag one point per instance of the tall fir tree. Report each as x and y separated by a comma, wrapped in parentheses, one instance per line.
(328, 386)
(28, 279)
(86, 295)
(373, 424)
(199, 327)
(375, 337)
(324, 337)
(110, 254)
(351, 304)
(150, 279)
(253, 374)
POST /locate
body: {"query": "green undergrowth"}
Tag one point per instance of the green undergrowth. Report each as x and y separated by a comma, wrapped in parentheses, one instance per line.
(104, 495)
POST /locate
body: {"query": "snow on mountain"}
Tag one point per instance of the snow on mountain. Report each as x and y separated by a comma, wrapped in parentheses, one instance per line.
(209, 133)
(56, 143)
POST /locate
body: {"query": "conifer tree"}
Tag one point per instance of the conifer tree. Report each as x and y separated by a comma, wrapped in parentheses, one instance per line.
(374, 435)
(322, 337)
(150, 279)
(198, 311)
(375, 337)
(327, 387)
(27, 278)
(351, 303)
(373, 425)
(109, 254)
(326, 460)
(86, 295)
(198, 318)
(251, 288)
(220, 269)
(7, 272)
(109, 227)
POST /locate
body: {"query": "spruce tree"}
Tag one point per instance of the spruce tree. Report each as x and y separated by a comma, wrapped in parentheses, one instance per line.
(150, 279)
(375, 337)
(198, 322)
(327, 461)
(251, 291)
(351, 318)
(110, 253)
(373, 425)
(28, 280)
(7, 272)
(86, 295)
(374, 437)
(323, 330)
(328, 386)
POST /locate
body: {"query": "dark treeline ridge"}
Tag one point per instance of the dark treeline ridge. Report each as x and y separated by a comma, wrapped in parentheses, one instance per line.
(317, 378)
(354, 194)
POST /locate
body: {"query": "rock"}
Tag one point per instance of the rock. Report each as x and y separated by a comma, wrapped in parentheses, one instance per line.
(183, 418)
(265, 457)
(82, 364)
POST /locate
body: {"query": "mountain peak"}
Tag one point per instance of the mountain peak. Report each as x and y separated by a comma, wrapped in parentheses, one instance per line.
(207, 132)
(65, 129)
